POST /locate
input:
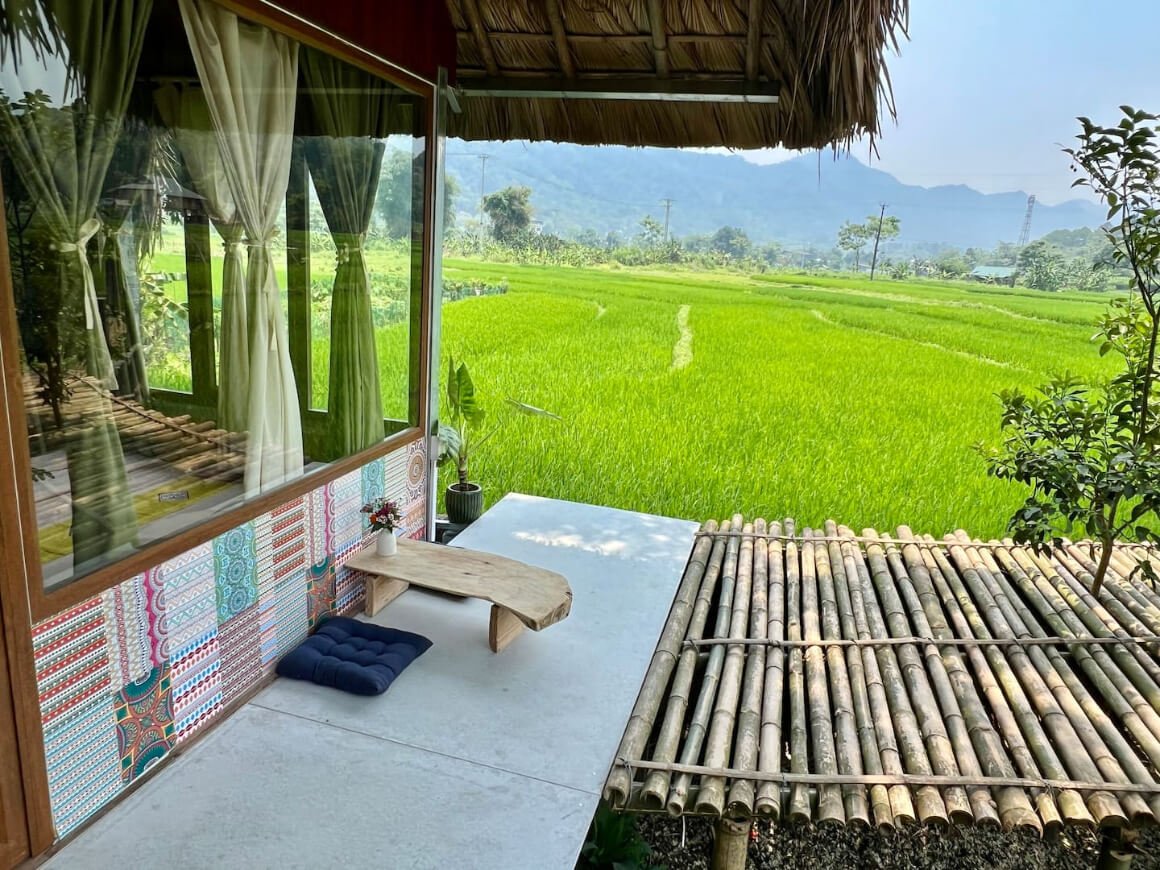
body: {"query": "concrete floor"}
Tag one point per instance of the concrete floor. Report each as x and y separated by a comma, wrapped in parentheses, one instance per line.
(470, 760)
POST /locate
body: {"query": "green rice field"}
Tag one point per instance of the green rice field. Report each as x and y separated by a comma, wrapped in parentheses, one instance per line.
(697, 394)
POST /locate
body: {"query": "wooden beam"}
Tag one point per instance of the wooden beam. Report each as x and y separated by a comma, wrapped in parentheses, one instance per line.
(471, 8)
(656, 20)
(503, 627)
(612, 38)
(199, 284)
(560, 37)
(753, 40)
(630, 88)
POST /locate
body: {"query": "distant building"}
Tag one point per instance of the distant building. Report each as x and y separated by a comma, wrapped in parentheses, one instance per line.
(994, 274)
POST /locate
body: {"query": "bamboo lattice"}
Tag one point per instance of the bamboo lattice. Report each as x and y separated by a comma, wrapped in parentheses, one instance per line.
(823, 676)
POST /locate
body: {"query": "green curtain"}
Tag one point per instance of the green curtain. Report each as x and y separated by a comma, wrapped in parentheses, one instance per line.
(60, 145)
(351, 113)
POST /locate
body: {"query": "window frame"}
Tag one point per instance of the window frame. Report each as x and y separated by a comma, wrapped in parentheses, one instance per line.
(19, 514)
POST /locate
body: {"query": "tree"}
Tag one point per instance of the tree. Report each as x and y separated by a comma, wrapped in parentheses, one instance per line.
(882, 227)
(1090, 453)
(732, 242)
(853, 237)
(510, 211)
(652, 232)
(1041, 267)
(395, 194)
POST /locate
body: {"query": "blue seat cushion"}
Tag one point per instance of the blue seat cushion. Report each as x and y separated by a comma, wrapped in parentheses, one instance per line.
(358, 657)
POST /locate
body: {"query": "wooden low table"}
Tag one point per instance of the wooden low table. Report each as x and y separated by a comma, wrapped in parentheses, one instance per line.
(521, 595)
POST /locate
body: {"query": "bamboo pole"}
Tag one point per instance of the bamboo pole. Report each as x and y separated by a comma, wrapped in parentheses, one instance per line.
(1080, 745)
(1127, 565)
(769, 753)
(1079, 618)
(1114, 617)
(939, 749)
(743, 791)
(695, 737)
(993, 675)
(1003, 642)
(899, 602)
(1124, 699)
(799, 796)
(1123, 764)
(870, 756)
(644, 712)
(989, 757)
(821, 721)
(933, 807)
(902, 808)
(656, 784)
(1033, 702)
(711, 798)
(849, 753)
(1114, 596)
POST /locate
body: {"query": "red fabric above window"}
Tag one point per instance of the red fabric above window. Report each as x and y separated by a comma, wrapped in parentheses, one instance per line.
(415, 34)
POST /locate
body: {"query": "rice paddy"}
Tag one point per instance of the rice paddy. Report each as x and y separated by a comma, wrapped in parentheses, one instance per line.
(690, 393)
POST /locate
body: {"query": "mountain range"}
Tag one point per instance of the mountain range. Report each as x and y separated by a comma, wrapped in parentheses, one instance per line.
(799, 201)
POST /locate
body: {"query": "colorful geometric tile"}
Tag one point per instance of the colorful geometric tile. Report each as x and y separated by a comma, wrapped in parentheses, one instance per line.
(241, 656)
(320, 593)
(350, 591)
(155, 608)
(317, 547)
(235, 571)
(196, 682)
(373, 481)
(71, 654)
(190, 595)
(288, 539)
(84, 764)
(293, 621)
(127, 625)
(144, 723)
(416, 472)
(396, 476)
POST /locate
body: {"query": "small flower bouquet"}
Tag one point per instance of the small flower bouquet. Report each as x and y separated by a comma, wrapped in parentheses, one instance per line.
(385, 517)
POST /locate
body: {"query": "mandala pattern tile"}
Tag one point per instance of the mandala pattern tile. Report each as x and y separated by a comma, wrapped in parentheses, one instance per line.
(235, 571)
(144, 723)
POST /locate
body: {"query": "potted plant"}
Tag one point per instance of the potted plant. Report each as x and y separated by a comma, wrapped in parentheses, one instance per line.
(459, 438)
(385, 518)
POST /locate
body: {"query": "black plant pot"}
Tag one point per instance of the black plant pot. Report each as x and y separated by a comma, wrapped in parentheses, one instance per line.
(464, 502)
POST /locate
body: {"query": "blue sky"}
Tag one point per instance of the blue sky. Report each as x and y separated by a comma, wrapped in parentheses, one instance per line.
(987, 90)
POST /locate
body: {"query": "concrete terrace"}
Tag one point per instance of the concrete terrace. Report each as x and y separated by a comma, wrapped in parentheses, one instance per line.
(471, 759)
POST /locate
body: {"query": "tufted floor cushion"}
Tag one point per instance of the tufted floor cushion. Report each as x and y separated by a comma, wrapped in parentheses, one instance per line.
(358, 657)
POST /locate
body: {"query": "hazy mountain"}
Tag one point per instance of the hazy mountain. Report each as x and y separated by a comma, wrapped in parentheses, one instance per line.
(801, 200)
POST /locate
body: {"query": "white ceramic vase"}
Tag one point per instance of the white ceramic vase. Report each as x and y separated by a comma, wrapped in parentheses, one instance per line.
(385, 544)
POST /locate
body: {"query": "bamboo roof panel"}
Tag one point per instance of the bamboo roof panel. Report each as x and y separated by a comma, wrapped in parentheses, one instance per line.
(881, 680)
(828, 61)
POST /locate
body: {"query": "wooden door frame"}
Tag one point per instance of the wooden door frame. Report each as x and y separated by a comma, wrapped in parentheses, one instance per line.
(17, 539)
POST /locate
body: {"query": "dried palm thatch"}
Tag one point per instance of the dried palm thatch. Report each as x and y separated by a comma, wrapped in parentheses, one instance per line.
(826, 61)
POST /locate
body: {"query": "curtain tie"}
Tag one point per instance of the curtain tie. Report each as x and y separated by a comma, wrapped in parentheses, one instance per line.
(84, 234)
(345, 249)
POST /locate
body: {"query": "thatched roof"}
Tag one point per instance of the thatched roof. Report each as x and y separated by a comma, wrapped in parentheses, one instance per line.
(824, 60)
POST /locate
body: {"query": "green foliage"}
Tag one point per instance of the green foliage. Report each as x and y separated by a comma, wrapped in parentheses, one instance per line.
(510, 212)
(459, 428)
(732, 242)
(1040, 267)
(613, 843)
(853, 237)
(1090, 453)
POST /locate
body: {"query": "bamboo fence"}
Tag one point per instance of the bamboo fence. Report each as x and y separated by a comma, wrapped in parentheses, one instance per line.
(875, 680)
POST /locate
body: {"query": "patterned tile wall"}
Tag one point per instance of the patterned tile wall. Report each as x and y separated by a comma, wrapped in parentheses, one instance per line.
(128, 675)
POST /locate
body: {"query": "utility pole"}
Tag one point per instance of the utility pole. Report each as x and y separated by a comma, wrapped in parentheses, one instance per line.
(483, 158)
(877, 236)
(668, 205)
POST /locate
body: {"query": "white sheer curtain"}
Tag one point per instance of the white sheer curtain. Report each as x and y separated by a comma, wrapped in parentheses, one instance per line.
(250, 77)
(186, 112)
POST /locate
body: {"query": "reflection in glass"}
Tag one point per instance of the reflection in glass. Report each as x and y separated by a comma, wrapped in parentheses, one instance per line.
(203, 236)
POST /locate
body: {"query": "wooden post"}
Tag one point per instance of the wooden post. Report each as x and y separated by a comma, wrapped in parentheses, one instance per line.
(731, 847)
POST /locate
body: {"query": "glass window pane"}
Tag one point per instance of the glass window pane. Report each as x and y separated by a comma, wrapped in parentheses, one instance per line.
(215, 266)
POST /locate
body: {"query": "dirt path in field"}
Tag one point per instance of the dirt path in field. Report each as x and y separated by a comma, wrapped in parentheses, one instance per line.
(683, 349)
(600, 310)
(966, 354)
